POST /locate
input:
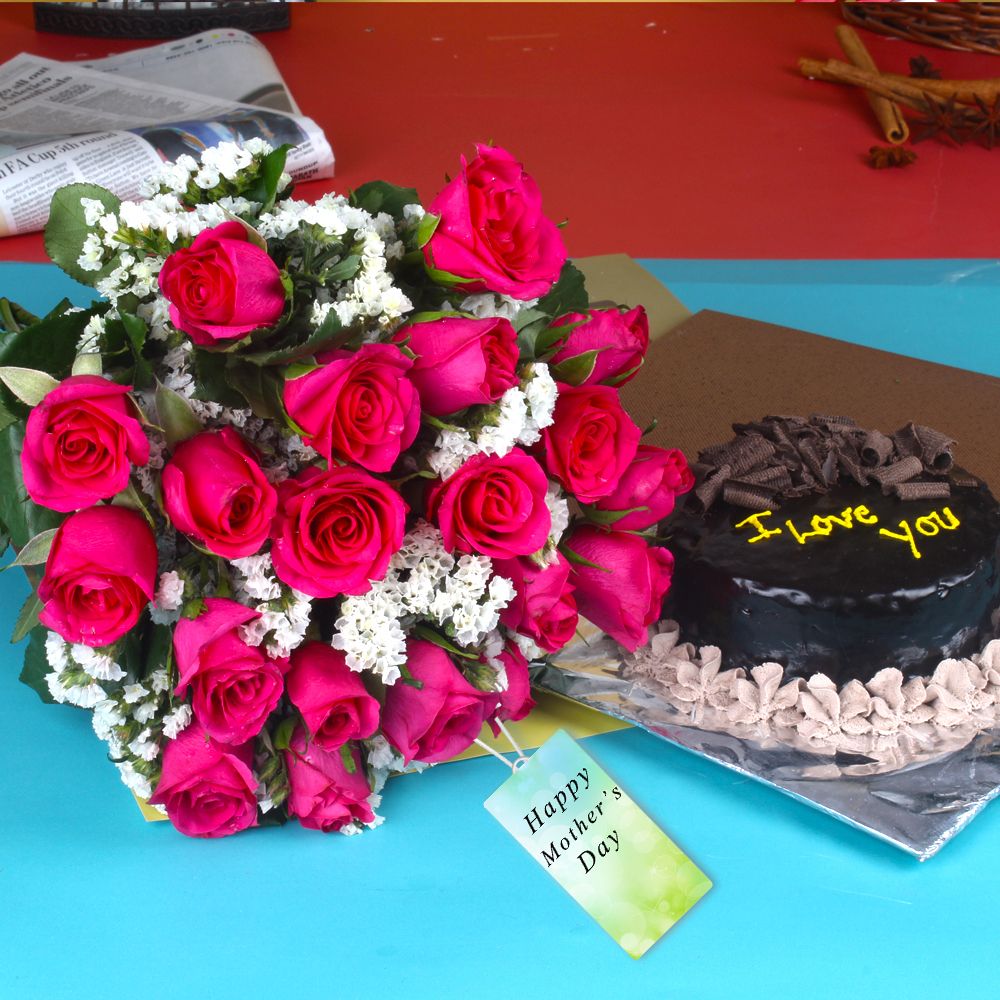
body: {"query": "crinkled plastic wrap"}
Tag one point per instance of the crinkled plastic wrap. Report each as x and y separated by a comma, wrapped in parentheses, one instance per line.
(917, 807)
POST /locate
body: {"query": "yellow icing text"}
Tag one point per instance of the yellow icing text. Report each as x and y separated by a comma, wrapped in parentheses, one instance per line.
(849, 518)
(762, 532)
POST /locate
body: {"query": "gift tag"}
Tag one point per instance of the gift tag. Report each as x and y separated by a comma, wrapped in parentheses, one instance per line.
(579, 825)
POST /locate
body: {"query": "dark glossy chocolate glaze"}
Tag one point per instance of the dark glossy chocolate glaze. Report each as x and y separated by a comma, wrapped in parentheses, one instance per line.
(845, 604)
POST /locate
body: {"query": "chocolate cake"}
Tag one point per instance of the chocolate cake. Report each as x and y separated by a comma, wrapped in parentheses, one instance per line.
(832, 549)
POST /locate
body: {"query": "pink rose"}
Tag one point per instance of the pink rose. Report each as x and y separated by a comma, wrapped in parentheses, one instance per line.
(323, 794)
(516, 701)
(590, 442)
(461, 362)
(358, 407)
(621, 338)
(440, 719)
(655, 477)
(543, 608)
(624, 597)
(207, 789)
(80, 443)
(100, 574)
(331, 697)
(222, 286)
(234, 686)
(495, 506)
(492, 235)
(215, 492)
(336, 531)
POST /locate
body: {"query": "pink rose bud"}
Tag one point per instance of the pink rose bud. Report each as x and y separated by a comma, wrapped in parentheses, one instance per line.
(655, 477)
(222, 286)
(323, 793)
(494, 506)
(620, 338)
(216, 493)
(543, 608)
(439, 719)
(590, 442)
(100, 574)
(492, 235)
(208, 789)
(461, 362)
(336, 531)
(234, 686)
(625, 596)
(332, 699)
(80, 444)
(357, 407)
(516, 701)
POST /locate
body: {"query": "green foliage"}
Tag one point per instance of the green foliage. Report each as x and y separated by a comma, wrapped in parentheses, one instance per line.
(381, 196)
(22, 517)
(36, 665)
(568, 294)
(577, 369)
(27, 618)
(175, 416)
(36, 551)
(48, 345)
(67, 228)
(266, 187)
(327, 336)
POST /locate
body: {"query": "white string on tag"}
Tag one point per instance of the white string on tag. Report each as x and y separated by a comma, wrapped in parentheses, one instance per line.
(521, 758)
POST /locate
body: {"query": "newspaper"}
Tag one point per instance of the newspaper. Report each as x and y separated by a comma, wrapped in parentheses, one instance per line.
(114, 121)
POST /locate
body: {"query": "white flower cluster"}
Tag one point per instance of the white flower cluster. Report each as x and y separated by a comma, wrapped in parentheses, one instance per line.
(371, 298)
(519, 418)
(130, 717)
(223, 161)
(488, 305)
(424, 581)
(165, 607)
(284, 611)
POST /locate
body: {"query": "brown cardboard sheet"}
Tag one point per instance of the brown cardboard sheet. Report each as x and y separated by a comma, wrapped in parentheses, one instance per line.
(714, 369)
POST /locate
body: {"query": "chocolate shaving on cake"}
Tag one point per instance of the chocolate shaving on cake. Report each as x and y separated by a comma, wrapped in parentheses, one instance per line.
(783, 457)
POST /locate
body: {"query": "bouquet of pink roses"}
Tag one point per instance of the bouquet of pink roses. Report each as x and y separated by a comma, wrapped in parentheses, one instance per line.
(312, 483)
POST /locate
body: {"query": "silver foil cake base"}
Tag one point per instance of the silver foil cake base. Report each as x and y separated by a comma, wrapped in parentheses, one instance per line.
(918, 806)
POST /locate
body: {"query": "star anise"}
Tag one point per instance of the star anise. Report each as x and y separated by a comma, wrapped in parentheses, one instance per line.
(921, 68)
(946, 119)
(881, 157)
(986, 122)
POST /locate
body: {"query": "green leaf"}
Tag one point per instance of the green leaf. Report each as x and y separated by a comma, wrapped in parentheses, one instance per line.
(28, 618)
(549, 340)
(266, 187)
(49, 345)
(156, 647)
(328, 335)
(426, 228)
(607, 517)
(343, 270)
(30, 385)
(300, 369)
(135, 332)
(578, 560)
(37, 549)
(67, 228)
(15, 318)
(36, 665)
(381, 196)
(426, 632)
(347, 758)
(211, 382)
(22, 517)
(175, 416)
(262, 388)
(282, 738)
(568, 294)
(6, 417)
(253, 236)
(87, 364)
(130, 498)
(575, 370)
(193, 608)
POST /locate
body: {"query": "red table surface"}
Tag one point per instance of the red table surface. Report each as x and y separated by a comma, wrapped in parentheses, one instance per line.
(660, 130)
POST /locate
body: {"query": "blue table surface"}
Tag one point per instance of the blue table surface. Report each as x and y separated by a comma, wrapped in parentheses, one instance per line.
(440, 902)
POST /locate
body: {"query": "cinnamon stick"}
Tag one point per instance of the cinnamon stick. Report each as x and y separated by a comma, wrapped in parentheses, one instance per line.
(886, 110)
(901, 90)
(964, 91)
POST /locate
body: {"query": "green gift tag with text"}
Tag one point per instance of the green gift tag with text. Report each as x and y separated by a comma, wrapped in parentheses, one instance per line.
(568, 813)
